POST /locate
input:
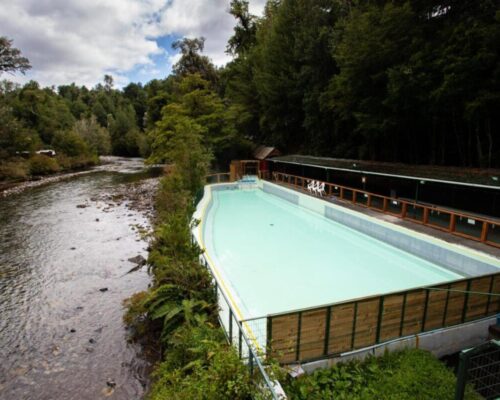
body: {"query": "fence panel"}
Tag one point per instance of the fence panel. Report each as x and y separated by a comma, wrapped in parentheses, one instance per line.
(494, 302)
(362, 198)
(341, 326)
(456, 303)
(415, 212)
(493, 234)
(365, 331)
(312, 334)
(436, 308)
(284, 334)
(439, 219)
(394, 207)
(469, 226)
(377, 202)
(391, 317)
(413, 312)
(477, 304)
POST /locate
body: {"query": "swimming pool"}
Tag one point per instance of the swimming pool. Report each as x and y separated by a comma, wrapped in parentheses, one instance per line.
(276, 256)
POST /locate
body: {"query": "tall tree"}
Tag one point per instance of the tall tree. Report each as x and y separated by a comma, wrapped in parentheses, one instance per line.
(192, 62)
(11, 59)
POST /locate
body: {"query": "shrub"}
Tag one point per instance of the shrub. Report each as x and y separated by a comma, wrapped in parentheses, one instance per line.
(15, 170)
(404, 375)
(43, 165)
(70, 143)
(200, 365)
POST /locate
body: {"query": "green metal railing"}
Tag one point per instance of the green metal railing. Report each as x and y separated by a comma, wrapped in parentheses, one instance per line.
(238, 336)
(480, 368)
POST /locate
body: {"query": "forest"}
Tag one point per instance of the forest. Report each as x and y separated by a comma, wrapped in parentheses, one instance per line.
(399, 81)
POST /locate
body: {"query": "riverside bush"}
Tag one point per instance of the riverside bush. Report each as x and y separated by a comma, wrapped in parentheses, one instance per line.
(15, 170)
(43, 165)
(410, 374)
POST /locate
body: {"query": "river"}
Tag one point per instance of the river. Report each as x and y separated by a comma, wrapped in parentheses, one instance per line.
(63, 278)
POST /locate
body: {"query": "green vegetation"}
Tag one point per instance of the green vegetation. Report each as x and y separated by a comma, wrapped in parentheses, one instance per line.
(79, 124)
(404, 375)
(180, 309)
(406, 81)
(370, 79)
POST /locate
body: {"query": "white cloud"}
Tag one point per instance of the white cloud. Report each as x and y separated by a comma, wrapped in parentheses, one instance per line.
(81, 40)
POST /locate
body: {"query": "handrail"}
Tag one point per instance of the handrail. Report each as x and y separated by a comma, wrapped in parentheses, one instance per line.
(219, 177)
(403, 318)
(253, 356)
(427, 210)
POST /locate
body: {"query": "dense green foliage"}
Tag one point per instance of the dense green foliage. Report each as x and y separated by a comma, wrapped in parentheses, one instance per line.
(180, 308)
(405, 375)
(411, 81)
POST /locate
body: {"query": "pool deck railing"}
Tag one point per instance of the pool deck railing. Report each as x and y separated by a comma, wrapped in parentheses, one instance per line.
(330, 330)
(468, 226)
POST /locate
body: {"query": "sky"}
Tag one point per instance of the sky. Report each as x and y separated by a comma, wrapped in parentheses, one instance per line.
(81, 40)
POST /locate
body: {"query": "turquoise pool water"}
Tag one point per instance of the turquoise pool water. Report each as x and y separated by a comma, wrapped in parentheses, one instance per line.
(276, 256)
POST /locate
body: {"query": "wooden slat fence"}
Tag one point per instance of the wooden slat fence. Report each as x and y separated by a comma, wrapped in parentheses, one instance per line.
(456, 223)
(321, 332)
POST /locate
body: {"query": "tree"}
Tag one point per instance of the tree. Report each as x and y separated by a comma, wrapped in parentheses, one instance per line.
(70, 143)
(14, 136)
(96, 137)
(244, 32)
(191, 61)
(108, 82)
(193, 99)
(11, 59)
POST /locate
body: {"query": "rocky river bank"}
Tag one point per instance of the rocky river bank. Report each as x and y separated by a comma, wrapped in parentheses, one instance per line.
(72, 251)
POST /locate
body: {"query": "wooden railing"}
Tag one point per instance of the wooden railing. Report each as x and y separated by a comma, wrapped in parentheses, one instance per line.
(454, 222)
(218, 178)
(326, 331)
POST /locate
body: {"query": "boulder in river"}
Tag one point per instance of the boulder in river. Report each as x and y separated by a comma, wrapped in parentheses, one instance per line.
(81, 206)
(104, 289)
(140, 260)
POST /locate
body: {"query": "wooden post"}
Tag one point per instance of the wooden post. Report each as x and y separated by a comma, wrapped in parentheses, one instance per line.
(404, 209)
(369, 202)
(342, 193)
(353, 197)
(452, 223)
(426, 216)
(484, 232)
(384, 207)
(299, 328)
(327, 330)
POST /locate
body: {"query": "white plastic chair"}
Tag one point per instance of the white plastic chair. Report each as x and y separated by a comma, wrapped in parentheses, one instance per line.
(310, 185)
(315, 187)
(321, 189)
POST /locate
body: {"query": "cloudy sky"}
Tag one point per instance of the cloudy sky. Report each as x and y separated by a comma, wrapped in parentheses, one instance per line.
(81, 40)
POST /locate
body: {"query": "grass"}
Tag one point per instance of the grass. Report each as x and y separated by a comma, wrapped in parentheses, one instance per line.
(20, 169)
(410, 374)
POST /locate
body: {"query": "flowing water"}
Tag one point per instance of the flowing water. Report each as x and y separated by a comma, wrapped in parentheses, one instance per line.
(61, 331)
